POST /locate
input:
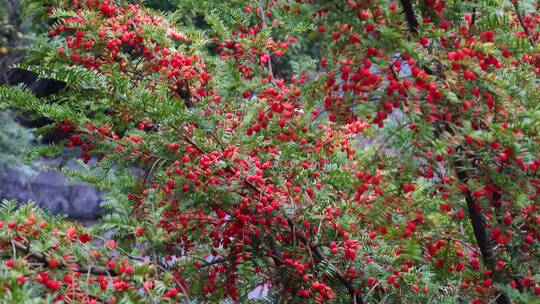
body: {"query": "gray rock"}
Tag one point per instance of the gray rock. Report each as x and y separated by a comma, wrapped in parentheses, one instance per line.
(49, 189)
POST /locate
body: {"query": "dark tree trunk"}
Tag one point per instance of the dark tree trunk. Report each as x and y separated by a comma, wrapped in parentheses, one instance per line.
(487, 247)
(409, 15)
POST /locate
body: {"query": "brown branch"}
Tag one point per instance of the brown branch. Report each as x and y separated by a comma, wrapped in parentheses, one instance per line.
(214, 262)
(91, 269)
(40, 257)
(522, 23)
(409, 16)
(275, 254)
(471, 248)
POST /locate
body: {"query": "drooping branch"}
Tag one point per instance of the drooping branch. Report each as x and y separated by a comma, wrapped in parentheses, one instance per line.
(87, 269)
(40, 257)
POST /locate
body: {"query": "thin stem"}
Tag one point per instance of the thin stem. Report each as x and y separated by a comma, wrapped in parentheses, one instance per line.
(263, 20)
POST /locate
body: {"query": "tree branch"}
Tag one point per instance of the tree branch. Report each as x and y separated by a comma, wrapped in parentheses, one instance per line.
(487, 248)
(522, 23)
(409, 15)
(40, 257)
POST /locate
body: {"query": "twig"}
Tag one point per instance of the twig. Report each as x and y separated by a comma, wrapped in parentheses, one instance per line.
(449, 238)
(522, 23)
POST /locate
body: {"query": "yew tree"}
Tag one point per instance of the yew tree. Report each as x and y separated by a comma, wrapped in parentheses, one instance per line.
(346, 151)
